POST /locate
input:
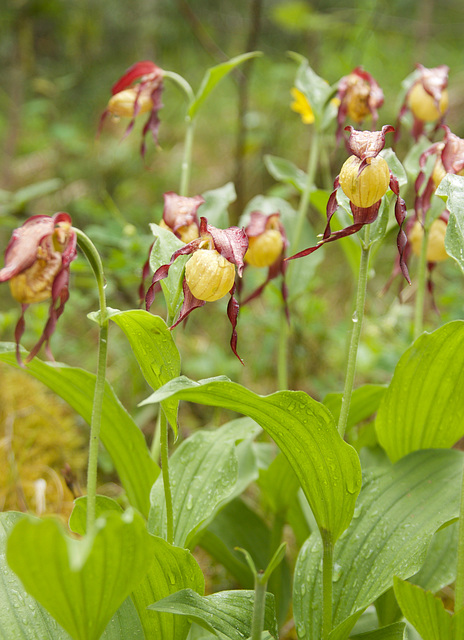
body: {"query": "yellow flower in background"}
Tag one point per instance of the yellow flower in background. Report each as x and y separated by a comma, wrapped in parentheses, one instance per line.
(301, 105)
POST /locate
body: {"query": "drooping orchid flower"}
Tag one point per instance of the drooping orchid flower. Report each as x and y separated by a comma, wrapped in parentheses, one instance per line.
(364, 178)
(131, 99)
(179, 216)
(449, 159)
(216, 255)
(37, 261)
(267, 245)
(426, 98)
(360, 96)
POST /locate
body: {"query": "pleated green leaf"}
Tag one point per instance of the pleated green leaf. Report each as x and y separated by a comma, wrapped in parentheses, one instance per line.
(81, 583)
(423, 408)
(453, 188)
(397, 513)
(226, 613)
(327, 467)
(439, 568)
(120, 435)
(173, 569)
(394, 631)
(155, 350)
(426, 612)
(204, 471)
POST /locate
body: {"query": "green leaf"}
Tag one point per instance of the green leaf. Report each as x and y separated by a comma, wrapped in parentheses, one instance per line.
(422, 407)
(453, 188)
(214, 209)
(173, 569)
(439, 568)
(203, 472)
(426, 612)
(120, 435)
(364, 403)
(226, 613)
(81, 582)
(395, 166)
(155, 350)
(164, 245)
(397, 513)
(316, 89)
(78, 518)
(327, 467)
(213, 75)
(394, 631)
(285, 171)
(279, 484)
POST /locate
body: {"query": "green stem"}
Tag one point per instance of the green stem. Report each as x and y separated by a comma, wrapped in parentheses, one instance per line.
(355, 333)
(421, 285)
(94, 259)
(327, 584)
(259, 607)
(282, 369)
(187, 158)
(155, 443)
(166, 480)
(459, 586)
(309, 187)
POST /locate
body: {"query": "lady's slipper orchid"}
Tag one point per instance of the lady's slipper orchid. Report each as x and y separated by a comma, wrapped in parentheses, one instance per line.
(449, 159)
(37, 261)
(131, 100)
(267, 245)
(209, 273)
(180, 217)
(360, 96)
(427, 99)
(365, 179)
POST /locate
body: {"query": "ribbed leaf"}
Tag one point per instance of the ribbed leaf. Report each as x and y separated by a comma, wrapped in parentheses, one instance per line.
(227, 613)
(439, 568)
(453, 188)
(394, 631)
(397, 513)
(120, 435)
(203, 472)
(327, 468)
(423, 406)
(213, 75)
(425, 612)
(82, 582)
(155, 350)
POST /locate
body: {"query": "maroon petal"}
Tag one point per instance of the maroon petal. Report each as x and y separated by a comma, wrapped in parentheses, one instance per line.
(335, 235)
(190, 303)
(135, 72)
(367, 144)
(180, 211)
(21, 251)
(231, 243)
(232, 313)
(400, 215)
(453, 153)
(332, 206)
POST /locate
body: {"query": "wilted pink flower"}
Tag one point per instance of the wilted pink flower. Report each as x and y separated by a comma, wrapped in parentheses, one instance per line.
(37, 261)
(365, 179)
(209, 273)
(427, 99)
(180, 217)
(267, 245)
(449, 159)
(360, 96)
(131, 99)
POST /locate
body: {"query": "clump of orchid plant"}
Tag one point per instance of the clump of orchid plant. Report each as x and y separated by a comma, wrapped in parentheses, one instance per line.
(216, 255)
(131, 99)
(360, 96)
(449, 159)
(179, 216)
(426, 98)
(267, 245)
(364, 178)
(37, 261)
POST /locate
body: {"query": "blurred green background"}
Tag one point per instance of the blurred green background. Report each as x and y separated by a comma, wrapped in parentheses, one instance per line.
(59, 59)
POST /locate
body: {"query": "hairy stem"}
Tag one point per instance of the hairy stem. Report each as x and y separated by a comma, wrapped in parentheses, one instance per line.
(259, 608)
(421, 286)
(187, 158)
(166, 480)
(355, 334)
(94, 259)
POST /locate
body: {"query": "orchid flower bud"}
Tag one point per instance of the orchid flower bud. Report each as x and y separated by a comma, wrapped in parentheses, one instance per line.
(436, 251)
(424, 106)
(122, 104)
(263, 250)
